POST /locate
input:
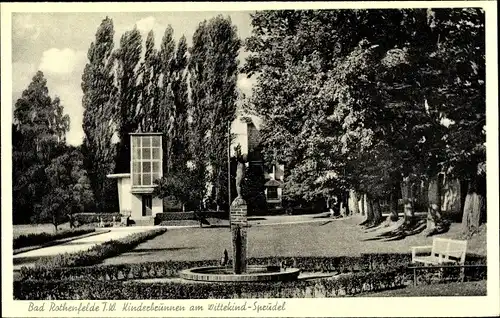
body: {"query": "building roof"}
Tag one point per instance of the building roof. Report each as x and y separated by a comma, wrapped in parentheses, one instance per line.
(273, 183)
(118, 175)
(146, 133)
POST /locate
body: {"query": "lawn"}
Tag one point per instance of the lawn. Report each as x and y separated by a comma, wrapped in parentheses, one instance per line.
(328, 238)
(451, 289)
(26, 229)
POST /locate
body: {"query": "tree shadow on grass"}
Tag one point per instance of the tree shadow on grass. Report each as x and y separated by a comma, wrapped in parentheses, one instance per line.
(152, 250)
(401, 232)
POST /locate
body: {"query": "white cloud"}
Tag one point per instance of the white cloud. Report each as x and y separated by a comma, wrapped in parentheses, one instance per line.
(22, 73)
(62, 61)
(24, 27)
(71, 96)
(145, 25)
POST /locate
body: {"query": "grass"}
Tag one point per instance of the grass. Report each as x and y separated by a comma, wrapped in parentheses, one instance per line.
(37, 239)
(27, 229)
(328, 238)
(451, 289)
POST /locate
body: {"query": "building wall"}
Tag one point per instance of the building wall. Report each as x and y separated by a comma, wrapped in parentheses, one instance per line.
(279, 172)
(136, 205)
(124, 195)
(157, 206)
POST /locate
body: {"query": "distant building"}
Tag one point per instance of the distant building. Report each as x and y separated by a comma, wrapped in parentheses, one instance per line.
(248, 136)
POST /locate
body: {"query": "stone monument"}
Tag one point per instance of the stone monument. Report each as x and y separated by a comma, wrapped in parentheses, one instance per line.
(238, 216)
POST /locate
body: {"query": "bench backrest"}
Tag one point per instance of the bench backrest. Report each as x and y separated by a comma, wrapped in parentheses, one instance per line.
(447, 249)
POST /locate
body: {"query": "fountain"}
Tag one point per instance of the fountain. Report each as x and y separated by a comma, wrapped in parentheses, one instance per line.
(240, 271)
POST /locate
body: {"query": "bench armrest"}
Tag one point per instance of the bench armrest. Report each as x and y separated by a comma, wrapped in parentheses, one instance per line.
(414, 250)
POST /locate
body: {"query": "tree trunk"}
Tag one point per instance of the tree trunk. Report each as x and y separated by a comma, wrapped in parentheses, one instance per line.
(406, 191)
(434, 218)
(474, 207)
(393, 216)
(362, 204)
(369, 209)
(354, 200)
(54, 221)
(377, 213)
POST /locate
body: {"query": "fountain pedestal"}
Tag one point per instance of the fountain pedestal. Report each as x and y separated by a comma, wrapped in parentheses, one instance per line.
(239, 225)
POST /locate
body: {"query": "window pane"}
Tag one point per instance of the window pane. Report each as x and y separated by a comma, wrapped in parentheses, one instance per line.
(156, 167)
(146, 179)
(146, 153)
(136, 142)
(136, 154)
(146, 167)
(146, 141)
(156, 141)
(136, 179)
(272, 193)
(156, 153)
(136, 167)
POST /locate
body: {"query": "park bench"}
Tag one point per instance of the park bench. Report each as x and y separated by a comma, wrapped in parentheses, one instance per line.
(443, 253)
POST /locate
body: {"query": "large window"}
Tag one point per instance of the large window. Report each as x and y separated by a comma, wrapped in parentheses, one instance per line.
(146, 159)
(272, 192)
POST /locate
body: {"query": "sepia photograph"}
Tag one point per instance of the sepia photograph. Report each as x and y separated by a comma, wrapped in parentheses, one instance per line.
(249, 158)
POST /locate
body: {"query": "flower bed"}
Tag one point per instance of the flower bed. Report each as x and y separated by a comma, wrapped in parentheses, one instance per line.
(345, 285)
(94, 255)
(43, 238)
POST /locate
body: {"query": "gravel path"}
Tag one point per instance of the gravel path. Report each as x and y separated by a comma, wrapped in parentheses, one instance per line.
(73, 246)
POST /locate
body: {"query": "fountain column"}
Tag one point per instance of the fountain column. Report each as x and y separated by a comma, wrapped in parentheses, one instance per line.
(238, 218)
(239, 235)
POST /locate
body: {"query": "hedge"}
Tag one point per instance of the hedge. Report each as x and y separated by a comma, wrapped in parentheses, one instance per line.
(91, 217)
(341, 264)
(348, 284)
(191, 215)
(43, 238)
(95, 254)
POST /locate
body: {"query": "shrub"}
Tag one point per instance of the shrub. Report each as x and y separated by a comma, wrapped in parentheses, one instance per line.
(349, 284)
(365, 263)
(165, 217)
(95, 254)
(43, 238)
(88, 218)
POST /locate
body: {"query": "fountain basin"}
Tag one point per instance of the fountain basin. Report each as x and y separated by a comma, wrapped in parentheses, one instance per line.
(253, 274)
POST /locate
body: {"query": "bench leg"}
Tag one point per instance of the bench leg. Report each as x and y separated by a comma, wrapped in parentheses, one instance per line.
(414, 277)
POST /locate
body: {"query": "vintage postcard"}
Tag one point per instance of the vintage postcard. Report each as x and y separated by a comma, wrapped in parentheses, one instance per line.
(246, 159)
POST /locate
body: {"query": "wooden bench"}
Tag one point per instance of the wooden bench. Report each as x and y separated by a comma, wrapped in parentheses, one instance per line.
(443, 252)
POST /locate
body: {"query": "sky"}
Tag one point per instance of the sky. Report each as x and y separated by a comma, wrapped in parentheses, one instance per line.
(57, 44)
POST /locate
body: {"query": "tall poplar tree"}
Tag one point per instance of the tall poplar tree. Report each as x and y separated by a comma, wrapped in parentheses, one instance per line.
(214, 69)
(130, 112)
(99, 117)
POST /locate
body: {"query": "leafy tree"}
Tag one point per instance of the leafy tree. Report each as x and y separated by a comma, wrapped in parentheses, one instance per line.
(183, 186)
(99, 117)
(69, 189)
(150, 98)
(385, 88)
(129, 111)
(213, 70)
(39, 129)
(179, 84)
